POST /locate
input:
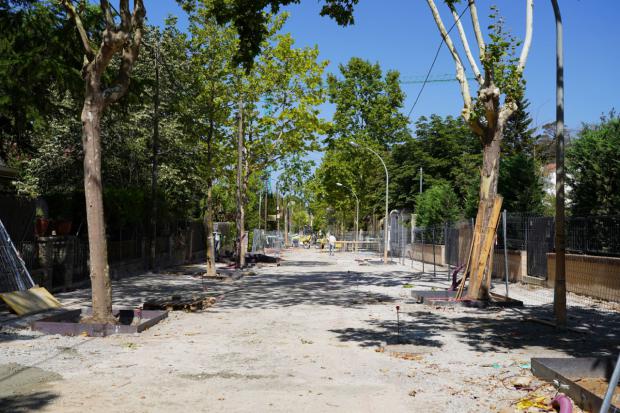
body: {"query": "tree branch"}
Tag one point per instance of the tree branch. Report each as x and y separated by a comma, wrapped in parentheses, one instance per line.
(505, 112)
(88, 50)
(130, 52)
(473, 11)
(529, 28)
(107, 13)
(463, 37)
(126, 18)
(460, 71)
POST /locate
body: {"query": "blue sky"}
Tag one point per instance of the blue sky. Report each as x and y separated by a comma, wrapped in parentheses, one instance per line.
(401, 35)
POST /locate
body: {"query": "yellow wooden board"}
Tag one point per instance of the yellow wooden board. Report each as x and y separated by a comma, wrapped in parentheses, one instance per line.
(30, 301)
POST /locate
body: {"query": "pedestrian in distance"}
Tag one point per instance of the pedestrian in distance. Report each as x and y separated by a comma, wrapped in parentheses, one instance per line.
(332, 244)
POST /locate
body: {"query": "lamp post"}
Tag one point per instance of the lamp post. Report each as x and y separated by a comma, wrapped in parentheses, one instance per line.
(559, 292)
(387, 183)
(357, 212)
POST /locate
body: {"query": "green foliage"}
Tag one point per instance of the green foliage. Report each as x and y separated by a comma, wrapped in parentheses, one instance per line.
(368, 104)
(519, 135)
(520, 184)
(252, 22)
(520, 180)
(446, 150)
(500, 59)
(437, 205)
(37, 59)
(593, 168)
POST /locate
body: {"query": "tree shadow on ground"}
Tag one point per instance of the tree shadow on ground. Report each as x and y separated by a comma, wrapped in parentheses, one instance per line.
(22, 403)
(306, 264)
(310, 288)
(387, 331)
(485, 331)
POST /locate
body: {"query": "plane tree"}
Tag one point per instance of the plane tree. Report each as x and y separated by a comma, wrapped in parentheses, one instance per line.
(120, 39)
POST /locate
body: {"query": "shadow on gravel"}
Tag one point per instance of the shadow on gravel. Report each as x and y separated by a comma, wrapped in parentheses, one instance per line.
(484, 332)
(381, 332)
(23, 403)
(312, 288)
(306, 263)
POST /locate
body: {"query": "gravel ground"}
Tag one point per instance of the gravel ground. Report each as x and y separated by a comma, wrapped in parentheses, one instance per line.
(315, 334)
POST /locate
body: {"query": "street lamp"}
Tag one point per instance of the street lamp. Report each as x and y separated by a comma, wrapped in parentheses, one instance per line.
(387, 183)
(357, 212)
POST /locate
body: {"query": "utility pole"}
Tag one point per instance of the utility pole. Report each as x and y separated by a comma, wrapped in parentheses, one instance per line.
(559, 293)
(260, 207)
(278, 212)
(420, 179)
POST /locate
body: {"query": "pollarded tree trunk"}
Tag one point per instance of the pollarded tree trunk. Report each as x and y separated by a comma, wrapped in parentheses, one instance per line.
(209, 229)
(98, 251)
(120, 38)
(489, 175)
(493, 116)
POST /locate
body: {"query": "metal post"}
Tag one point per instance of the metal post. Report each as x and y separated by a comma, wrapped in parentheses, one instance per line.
(434, 263)
(505, 251)
(420, 179)
(445, 247)
(422, 250)
(357, 218)
(260, 206)
(387, 186)
(613, 382)
(559, 296)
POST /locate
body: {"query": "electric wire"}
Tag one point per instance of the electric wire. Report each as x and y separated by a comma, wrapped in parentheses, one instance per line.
(430, 69)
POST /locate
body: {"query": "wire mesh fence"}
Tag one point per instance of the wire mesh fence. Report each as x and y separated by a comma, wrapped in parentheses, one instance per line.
(267, 242)
(523, 260)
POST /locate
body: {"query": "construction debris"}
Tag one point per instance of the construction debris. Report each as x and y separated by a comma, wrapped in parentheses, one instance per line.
(191, 303)
(30, 301)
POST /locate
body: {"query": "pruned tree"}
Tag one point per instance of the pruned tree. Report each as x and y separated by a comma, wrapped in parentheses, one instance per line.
(277, 115)
(500, 87)
(209, 107)
(120, 38)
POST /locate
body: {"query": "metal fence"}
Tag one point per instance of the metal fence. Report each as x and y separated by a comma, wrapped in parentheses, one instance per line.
(524, 259)
(267, 242)
(62, 262)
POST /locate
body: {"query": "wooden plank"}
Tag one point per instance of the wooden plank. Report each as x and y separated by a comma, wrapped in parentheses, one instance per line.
(487, 248)
(30, 301)
(472, 247)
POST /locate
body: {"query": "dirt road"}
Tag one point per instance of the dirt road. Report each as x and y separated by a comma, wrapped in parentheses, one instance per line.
(308, 336)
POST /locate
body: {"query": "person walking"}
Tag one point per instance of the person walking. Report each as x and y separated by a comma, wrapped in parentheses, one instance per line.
(332, 244)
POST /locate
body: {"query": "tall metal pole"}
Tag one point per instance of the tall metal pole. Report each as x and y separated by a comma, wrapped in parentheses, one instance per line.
(505, 250)
(260, 207)
(559, 296)
(420, 179)
(613, 382)
(278, 212)
(357, 218)
(387, 212)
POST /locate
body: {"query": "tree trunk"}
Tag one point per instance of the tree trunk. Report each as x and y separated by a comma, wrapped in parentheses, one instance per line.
(209, 230)
(489, 175)
(98, 252)
(240, 190)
